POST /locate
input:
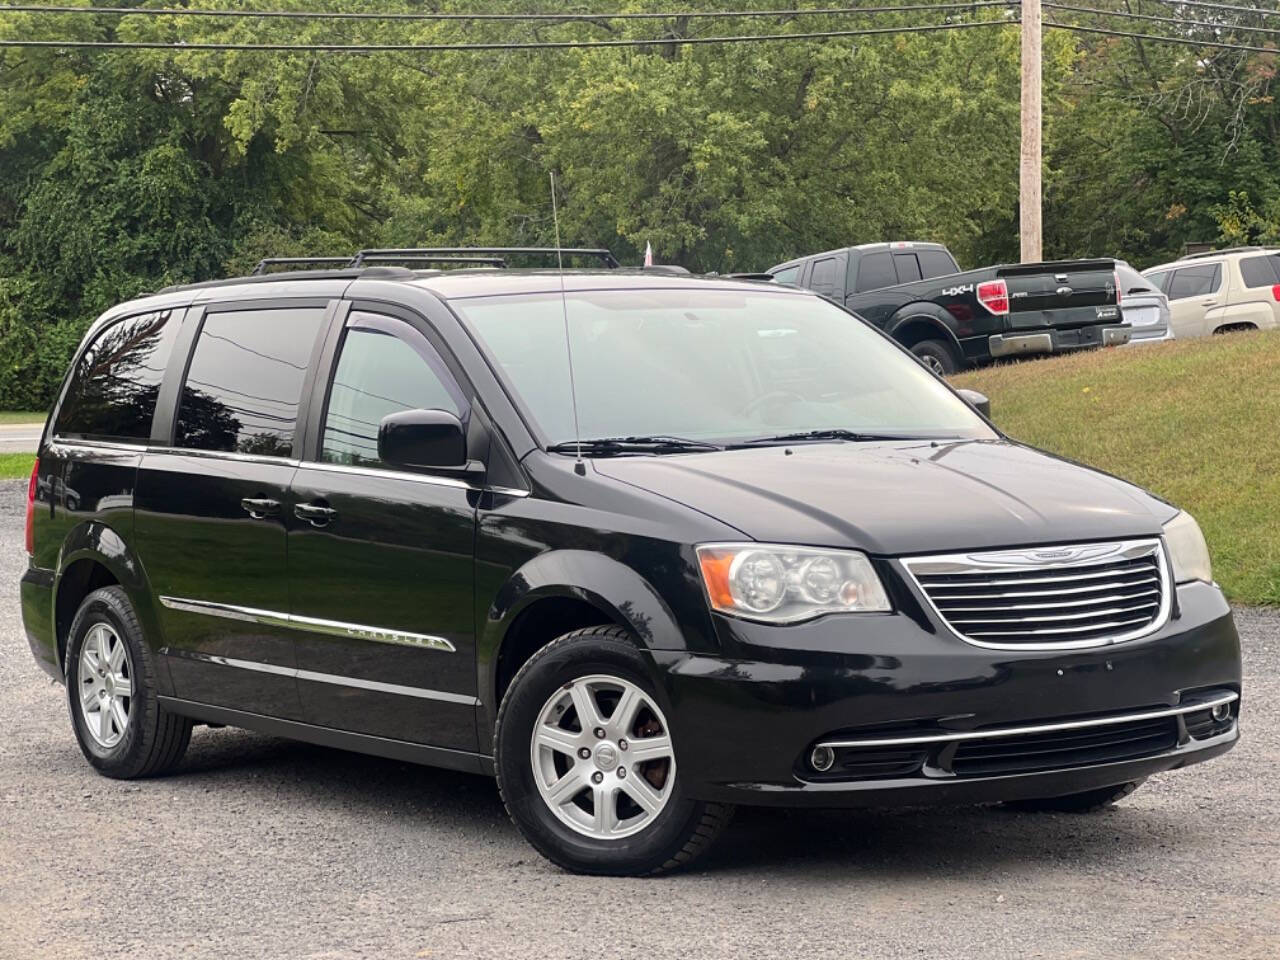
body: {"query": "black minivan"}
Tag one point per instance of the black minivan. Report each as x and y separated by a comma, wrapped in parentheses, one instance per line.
(643, 546)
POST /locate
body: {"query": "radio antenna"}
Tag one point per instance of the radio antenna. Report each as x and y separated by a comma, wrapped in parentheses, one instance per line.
(579, 467)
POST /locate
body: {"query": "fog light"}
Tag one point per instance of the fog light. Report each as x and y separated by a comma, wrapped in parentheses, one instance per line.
(822, 758)
(1222, 712)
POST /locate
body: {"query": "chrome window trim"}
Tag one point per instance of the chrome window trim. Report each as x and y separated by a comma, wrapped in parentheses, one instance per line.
(225, 455)
(375, 685)
(1024, 560)
(427, 478)
(1207, 704)
(120, 445)
(336, 628)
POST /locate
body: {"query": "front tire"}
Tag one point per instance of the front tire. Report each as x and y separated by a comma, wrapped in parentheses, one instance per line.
(111, 692)
(1090, 801)
(586, 762)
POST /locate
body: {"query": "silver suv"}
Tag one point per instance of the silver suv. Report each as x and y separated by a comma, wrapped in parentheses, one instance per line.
(1220, 291)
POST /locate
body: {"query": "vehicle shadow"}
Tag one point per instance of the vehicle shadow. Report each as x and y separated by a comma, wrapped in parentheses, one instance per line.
(889, 844)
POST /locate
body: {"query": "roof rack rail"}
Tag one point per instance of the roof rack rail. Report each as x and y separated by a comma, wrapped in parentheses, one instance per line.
(429, 252)
(267, 262)
(370, 256)
(1217, 253)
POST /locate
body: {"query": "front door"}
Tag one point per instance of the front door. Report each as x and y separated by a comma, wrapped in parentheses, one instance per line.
(209, 509)
(381, 557)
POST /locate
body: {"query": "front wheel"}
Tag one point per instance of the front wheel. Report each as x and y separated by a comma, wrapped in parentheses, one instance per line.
(586, 762)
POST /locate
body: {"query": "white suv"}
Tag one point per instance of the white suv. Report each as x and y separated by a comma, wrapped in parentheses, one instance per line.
(1223, 290)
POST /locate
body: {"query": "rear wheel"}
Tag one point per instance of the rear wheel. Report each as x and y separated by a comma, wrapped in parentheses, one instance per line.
(1089, 801)
(586, 762)
(111, 691)
(937, 356)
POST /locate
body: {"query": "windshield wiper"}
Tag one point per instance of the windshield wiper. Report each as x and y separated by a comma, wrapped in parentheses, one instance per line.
(616, 446)
(817, 435)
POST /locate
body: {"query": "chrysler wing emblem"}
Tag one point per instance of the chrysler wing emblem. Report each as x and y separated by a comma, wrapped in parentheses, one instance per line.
(1047, 556)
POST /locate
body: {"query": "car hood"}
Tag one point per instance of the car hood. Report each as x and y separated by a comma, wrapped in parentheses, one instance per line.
(897, 498)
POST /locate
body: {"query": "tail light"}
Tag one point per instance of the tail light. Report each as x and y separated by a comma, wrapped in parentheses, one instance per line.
(994, 295)
(1275, 292)
(1119, 293)
(31, 507)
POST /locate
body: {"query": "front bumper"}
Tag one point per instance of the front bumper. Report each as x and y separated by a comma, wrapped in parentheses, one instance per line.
(746, 722)
(1058, 341)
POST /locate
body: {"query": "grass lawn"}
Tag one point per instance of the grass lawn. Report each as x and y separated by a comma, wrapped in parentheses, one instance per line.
(22, 416)
(16, 465)
(1197, 422)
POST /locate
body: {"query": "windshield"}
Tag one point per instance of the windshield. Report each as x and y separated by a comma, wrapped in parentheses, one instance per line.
(709, 364)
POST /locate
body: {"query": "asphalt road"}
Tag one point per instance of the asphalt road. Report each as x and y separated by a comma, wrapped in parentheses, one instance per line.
(262, 848)
(20, 437)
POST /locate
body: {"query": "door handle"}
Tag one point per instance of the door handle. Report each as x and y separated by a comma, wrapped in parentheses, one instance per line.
(316, 514)
(1209, 303)
(260, 509)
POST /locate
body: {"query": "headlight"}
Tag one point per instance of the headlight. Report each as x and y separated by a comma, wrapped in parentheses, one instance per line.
(782, 584)
(1187, 549)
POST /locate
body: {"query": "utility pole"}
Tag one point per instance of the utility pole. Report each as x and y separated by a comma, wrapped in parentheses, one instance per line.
(1029, 178)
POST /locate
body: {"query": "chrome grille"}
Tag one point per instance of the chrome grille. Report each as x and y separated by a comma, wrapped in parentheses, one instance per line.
(1082, 595)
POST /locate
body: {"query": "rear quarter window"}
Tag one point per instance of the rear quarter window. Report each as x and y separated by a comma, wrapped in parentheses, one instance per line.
(875, 270)
(113, 388)
(1260, 271)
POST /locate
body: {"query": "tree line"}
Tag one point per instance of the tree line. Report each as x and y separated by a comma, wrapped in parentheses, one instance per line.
(125, 170)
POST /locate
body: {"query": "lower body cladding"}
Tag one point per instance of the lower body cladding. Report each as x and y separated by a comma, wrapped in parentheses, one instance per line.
(1057, 341)
(888, 710)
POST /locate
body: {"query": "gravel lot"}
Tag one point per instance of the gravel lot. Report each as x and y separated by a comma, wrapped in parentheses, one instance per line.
(264, 848)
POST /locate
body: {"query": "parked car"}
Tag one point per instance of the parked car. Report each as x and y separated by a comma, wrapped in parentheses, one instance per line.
(1221, 291)
(745, 550)
(916, 293)
(1146, 309)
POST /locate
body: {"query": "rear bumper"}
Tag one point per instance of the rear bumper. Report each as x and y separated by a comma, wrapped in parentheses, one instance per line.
(746, 724)
(1058, 341)
(1151, 335)
(35, 591)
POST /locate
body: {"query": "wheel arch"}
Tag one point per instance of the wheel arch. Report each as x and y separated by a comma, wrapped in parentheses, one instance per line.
(95, 555)
(554, 593)
(918, 323)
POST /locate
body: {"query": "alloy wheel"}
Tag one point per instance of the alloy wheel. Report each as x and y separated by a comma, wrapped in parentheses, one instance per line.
(603, 758)
(105, 692)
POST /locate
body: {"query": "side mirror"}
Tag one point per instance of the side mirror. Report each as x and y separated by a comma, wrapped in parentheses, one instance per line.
(976, 400)
(433, 439)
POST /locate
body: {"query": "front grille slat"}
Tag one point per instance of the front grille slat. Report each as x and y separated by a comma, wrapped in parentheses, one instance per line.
(1065, 749)
(1034, 597)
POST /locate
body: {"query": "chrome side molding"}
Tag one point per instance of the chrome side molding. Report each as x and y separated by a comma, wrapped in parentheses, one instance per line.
(336, 628)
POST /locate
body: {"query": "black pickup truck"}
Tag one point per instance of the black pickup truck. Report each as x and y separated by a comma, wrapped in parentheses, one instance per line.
(950, 319)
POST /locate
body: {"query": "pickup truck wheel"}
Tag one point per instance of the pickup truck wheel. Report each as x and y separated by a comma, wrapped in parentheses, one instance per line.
(586, 762)
(937, 356)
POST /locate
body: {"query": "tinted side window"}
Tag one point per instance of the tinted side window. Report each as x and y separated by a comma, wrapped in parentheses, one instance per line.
(936, 263)
(385, 366)
(1194, 281)
(875, 271)
(788, 275)
(112, 394)
(245, 381)
(1260, 271)
(907, 267)
(1159, 280)
(823, 278)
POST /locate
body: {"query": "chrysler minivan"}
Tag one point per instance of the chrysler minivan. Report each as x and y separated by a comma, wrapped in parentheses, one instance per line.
(642, 546)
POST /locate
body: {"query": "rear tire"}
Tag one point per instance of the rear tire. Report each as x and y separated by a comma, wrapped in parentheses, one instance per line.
(937, 356)
(1090, 801)
(574, 789)
(111, 692)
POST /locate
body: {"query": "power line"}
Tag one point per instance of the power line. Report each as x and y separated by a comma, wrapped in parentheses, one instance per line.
(507, 17)
(464, 47)
(1261, 12)
(1186, 42)
(1176, 21)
